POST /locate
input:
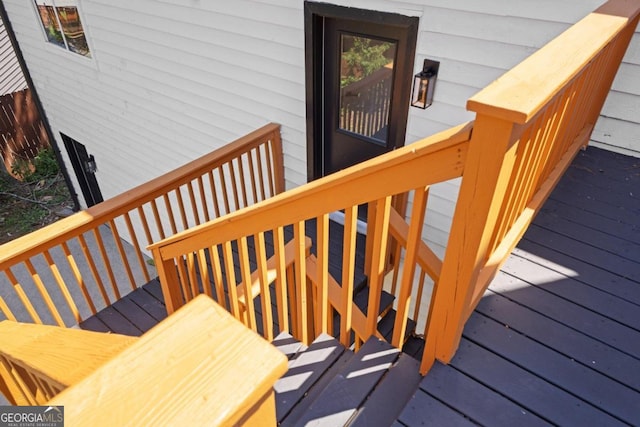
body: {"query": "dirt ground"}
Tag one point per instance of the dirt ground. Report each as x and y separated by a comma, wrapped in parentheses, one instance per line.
(25, 207)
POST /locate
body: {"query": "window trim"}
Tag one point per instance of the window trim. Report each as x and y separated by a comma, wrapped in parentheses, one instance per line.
(56, 47)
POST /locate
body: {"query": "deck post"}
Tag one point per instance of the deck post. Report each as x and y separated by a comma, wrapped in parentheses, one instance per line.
(490, 161)
(168, 275)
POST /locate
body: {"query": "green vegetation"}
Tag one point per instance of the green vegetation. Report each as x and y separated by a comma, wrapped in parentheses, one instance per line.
(363, 58)
(39, 198)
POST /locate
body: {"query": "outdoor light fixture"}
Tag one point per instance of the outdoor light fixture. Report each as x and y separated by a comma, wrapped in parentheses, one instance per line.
(424, 83)
(90, 165)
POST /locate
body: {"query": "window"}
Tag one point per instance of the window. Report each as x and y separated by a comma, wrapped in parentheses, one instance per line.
(62, 26)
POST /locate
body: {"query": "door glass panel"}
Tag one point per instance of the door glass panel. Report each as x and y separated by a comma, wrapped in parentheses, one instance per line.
(366, 76)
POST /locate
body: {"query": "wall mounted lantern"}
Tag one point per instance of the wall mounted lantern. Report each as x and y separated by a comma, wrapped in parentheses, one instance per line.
(424, 84)
(90, 165)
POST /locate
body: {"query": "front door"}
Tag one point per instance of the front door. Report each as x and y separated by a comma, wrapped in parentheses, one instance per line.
(359, 73)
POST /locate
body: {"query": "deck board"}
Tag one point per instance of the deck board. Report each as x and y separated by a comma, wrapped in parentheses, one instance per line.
(558, 370)
(557, 335)
(475, 400)
(568, 342)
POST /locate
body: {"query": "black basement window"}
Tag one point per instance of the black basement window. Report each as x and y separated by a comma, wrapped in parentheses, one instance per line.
(62, 26)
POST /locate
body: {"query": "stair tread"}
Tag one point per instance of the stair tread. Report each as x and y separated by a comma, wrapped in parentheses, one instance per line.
(385, 326)
(305, 369)
(387, 401)
(361, 299)
(316, 390)
(288, 345)
(344, 394)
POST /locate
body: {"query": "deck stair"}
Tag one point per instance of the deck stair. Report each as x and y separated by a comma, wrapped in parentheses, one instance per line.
(330, 385)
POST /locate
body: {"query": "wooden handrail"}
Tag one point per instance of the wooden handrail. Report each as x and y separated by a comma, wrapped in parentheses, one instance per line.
(530, 124)
(434, 159)
(39, 361)
(52, 235)
(243, 172)
(214, 372)
(544, 74)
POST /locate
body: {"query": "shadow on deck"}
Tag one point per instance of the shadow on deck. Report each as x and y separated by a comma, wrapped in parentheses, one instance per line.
(555, 340)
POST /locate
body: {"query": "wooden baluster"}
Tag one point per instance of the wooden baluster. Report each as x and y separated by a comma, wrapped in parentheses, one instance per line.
(302, 301)
(156, 217)
(44, 293)
(23, 297)
(414, 239)
(193, 274)
(270, 173)
(136, 245)
(265, 294)
(62, 286)
(243, 182)
(194, 206)
(261, 175)
(252, 176)
(234, 185)
(378, 258)
(88, 257)
(231, 279)
(204, 272)
(218, 280)
(293, 300)
(183, 212)
(145, 224)
(183, 278)
(123, 256)
(275, 142)
(322, 281)
(348, 272)
(225, 190)
(418, 302)
(214, 195)
(81, 282)
(172, 219)
(245, 269)
(6, 311)
(203, 199)
(281, 280)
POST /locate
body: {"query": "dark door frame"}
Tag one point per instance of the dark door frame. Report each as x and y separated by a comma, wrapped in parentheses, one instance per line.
(314, 16)
(86, 175)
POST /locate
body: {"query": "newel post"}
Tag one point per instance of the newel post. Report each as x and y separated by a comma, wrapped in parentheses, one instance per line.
(167, 275)
(490, 160)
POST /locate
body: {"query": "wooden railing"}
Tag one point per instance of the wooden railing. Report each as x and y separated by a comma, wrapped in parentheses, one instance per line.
(39, 361)
(529, 125)
(213, 371)
(69, 270)
(296, 283)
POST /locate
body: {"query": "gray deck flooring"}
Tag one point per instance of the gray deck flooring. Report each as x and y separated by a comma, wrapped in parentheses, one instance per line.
(555, 340)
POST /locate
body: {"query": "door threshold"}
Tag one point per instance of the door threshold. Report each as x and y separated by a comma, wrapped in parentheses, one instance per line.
(338, 216)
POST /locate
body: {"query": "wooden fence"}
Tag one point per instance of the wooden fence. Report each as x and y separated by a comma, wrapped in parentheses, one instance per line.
(22, 132)
(65, 272)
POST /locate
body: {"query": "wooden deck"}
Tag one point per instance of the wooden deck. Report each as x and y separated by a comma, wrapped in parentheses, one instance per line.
(556, 339)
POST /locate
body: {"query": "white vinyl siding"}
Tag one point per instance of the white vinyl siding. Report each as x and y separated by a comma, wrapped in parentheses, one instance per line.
(11, 77)
(170, 80)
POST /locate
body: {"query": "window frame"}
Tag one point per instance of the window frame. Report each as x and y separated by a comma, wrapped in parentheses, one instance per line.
(65, 46)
